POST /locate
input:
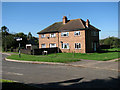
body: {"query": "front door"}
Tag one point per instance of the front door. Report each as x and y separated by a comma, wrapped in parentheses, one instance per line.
(95, 46)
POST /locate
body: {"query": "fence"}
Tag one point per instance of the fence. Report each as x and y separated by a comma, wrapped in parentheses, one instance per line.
(25, 51)
(38, 51)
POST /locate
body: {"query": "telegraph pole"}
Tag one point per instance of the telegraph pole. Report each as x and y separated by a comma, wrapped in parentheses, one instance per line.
(18, 39)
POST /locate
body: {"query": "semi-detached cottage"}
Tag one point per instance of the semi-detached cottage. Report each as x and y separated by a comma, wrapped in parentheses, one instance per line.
(74, 35)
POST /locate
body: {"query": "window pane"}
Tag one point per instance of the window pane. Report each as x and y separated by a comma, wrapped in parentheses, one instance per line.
(65, 34)
(77, 45)
(52, 45)
(65, 45)
(42, 36)
(62, 45)
(77, 33)
(43, 45)
(52, 35)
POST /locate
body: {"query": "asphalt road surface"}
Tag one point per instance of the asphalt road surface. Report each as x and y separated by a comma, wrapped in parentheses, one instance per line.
(43, 76)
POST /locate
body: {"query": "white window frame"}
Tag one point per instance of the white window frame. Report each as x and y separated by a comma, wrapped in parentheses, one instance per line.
(63, 33)
(63, 45)
(42, 46)
(42, 35)
(78, 44)
(76, 33)
(50, 45)
(52, 35)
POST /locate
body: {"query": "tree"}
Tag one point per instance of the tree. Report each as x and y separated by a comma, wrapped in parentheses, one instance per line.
(32, 40)
(24, 39)
(29, 37)
(112, 41)
(4, 31)
(9, 41)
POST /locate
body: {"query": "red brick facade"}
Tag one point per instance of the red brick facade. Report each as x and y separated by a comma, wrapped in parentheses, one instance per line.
(85, 39)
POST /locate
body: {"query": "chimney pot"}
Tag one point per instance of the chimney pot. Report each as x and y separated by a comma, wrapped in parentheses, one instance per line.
(87, 23)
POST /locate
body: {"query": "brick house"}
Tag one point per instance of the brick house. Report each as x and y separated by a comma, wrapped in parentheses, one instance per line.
(74, 35)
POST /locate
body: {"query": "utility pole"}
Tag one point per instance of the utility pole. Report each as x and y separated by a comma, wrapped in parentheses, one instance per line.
(19, 51)
(18, 39)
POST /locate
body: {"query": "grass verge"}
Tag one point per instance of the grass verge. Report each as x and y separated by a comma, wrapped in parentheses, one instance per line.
(4, 81)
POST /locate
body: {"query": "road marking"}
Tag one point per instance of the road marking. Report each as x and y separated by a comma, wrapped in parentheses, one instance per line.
(13, 73)
(13, 67)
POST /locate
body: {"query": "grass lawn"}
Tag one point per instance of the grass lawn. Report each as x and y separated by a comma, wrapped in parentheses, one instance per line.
(6, 81)
(112, 49)
(67, 57)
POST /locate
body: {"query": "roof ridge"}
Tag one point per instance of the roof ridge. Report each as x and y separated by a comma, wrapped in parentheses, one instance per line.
(74, 19)
(58, 22)
(71, 24)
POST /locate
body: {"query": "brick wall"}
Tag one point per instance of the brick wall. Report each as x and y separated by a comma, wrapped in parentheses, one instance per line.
(71, 39)
(91, 39)
(47, 41)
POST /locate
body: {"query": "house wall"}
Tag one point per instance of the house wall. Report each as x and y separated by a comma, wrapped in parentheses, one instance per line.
(47, 41)
(90, 39)
(85, 39)
(71, 39)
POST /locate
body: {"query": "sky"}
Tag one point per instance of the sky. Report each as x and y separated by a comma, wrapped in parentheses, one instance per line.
(35, 16)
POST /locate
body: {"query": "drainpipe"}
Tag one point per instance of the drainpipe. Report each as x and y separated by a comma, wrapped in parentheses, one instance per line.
(58, 42)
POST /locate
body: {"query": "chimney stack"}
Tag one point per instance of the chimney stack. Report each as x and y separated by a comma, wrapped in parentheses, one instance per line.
(64, 19)
(87, 23)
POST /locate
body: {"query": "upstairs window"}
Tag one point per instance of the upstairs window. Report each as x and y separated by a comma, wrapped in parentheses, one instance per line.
(77, 46)
(94, 33)
(52, 35)
(64, 34)
(52, 45)
(43, 36)
(77, 33)
(65, 45)
(43, 46)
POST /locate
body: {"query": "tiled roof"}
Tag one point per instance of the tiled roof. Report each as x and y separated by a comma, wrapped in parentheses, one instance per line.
(75, 24)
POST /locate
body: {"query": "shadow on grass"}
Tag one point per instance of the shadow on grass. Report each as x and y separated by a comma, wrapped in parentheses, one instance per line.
(111, 84)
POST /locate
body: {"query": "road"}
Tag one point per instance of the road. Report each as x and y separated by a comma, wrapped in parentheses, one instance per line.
(42, 75)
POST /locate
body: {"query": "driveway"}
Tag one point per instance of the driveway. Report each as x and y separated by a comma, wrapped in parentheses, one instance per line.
(43, 75)
(106, 65)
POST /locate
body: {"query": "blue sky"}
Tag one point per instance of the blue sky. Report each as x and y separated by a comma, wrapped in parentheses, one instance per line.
(35, 16)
